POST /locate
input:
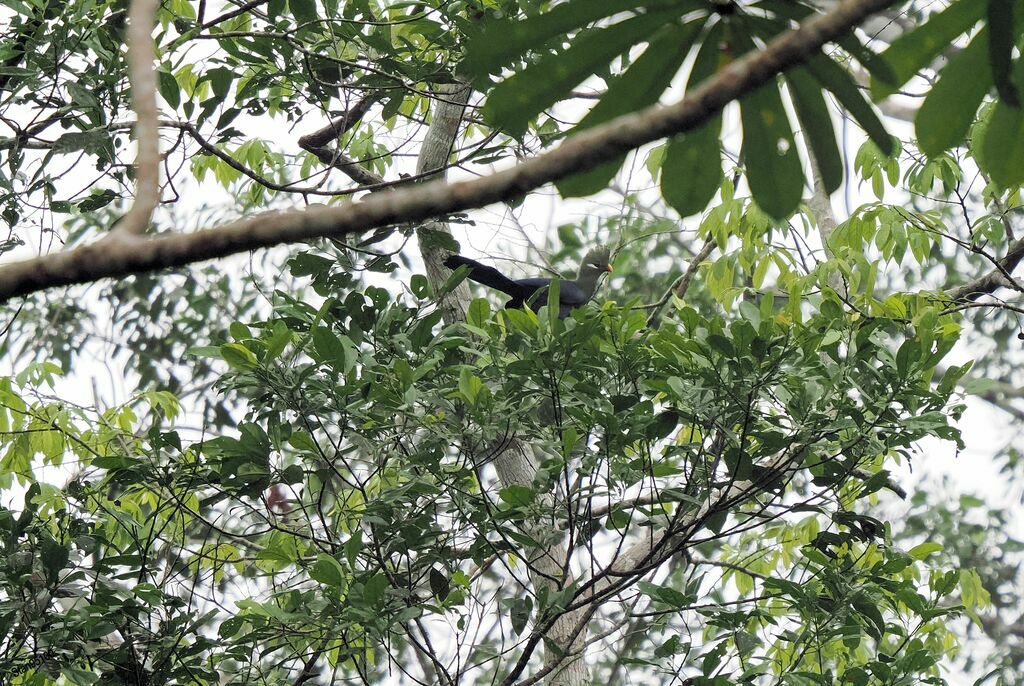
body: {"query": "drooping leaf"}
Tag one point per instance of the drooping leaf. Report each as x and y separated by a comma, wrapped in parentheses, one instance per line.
(851, 43)
(303, 10)
(168, 87)
(774, 171)
(816, 122)
(841, 84)
(1002, 37)
(502, 42)
(691, 170)
(515, 101)
(1002, 146)
(639, 86)
(916, 49)
(948, 110)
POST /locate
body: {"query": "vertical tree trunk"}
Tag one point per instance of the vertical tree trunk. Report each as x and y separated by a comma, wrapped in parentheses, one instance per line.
(517, 463)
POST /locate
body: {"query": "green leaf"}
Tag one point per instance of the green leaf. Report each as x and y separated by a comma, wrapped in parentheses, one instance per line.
(839, 81)
(1001, 43)
(946, 115)
(517, 495)
(923, 550)
(502, 42)
(230, 626)
(168, 87)
(470, 385)
(1002, 143)
(303, 10)
(774, 171)
(238, 356)
(518, 99)
(520, 614)
(420, 286)
(328, 571)
(478, 313)
(373, 589)
(916, 49)
(638, 87)
(332, 349)
(816, 121)
(691, 170)
(353, 545)
(440, 585)
(79, 677)
(554, 303)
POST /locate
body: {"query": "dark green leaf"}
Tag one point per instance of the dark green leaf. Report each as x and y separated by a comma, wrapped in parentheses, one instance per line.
(516, 495)
(1002, 143)
(373, 589)
(230, 626)
(669, 647)
(948, 110)
(502, 42)
(638, 87)
(520, 615)
(774, 171)
(839, 81)
(518, 99)
(303, 10)
(419, 286)
(54, 556)
(440, 585)
(691, 170)
(353, 545)
(169, 89)
(330, 348)
(1001, 42)
(816, 121)
(916, 49)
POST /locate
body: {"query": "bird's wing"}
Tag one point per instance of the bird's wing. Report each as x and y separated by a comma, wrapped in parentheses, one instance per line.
(571, 294)
(488, 276)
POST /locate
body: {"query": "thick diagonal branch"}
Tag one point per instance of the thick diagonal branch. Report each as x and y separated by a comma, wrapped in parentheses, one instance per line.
(438, 199)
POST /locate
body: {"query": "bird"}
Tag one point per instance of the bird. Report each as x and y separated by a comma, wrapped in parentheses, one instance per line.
(533, 292)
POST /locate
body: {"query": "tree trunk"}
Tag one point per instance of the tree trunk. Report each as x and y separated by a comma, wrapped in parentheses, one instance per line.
(516, 464)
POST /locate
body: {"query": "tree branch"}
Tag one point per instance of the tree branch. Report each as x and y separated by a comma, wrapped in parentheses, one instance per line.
(993, 280)
(437, 199)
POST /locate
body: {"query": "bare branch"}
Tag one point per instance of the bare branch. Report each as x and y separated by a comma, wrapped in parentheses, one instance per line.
(682, 284)
(993, 280)
(437, 199)
(317, 142)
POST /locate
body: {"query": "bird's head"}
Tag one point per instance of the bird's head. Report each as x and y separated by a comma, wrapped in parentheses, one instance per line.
(597, 261)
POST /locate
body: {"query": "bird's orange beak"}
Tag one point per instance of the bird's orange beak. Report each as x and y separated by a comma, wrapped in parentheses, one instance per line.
(608, 268)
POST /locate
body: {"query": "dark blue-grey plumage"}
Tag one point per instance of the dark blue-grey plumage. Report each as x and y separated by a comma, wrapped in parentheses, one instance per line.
(533, 291)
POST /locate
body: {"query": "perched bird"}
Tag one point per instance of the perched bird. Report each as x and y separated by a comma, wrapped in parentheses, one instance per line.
(533, 292)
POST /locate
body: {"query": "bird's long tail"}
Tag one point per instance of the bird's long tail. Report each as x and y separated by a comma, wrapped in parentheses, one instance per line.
(488, 276)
